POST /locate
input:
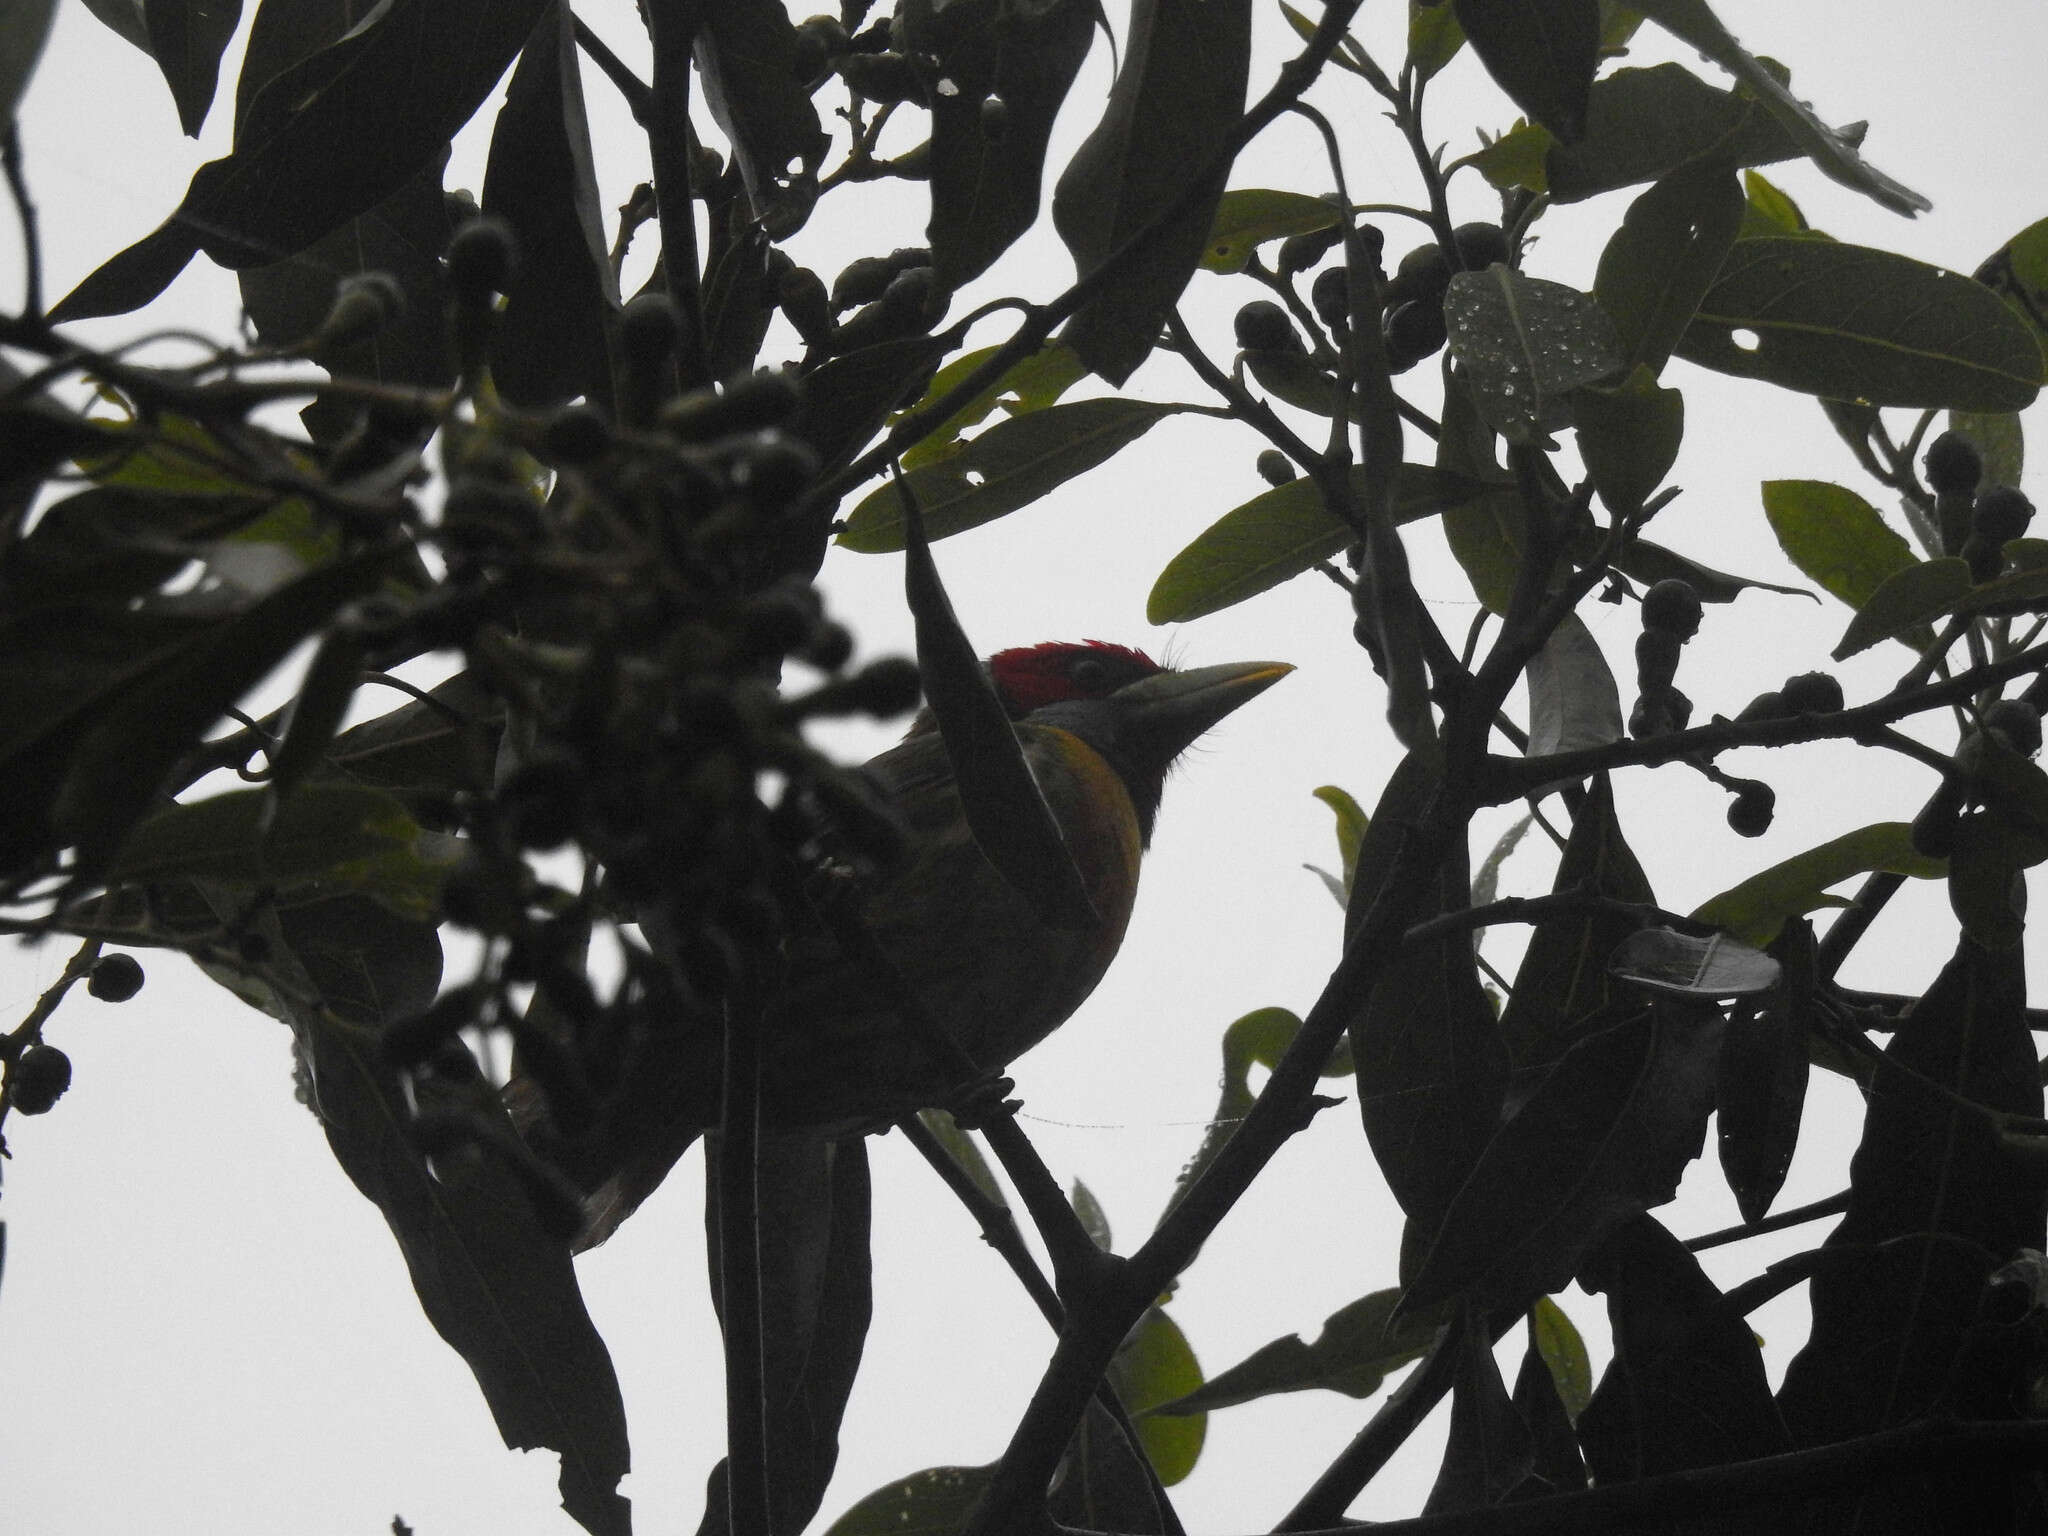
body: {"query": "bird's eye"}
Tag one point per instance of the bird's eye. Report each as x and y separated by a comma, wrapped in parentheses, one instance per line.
(1089, 675)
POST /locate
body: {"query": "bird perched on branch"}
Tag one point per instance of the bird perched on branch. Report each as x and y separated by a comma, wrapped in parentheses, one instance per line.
(1100, 725)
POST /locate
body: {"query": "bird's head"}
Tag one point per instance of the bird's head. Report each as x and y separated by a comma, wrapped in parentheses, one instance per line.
(1137, 714)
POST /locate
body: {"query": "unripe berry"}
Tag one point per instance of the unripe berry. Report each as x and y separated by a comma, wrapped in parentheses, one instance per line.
(1812, 693)
(1300, 252)
(884, 78)
(805, 304)
(1953, 465)
(1263, 326)
(481, 257)
(1422, 277)
(1330, 297)
(648, 327)
(1275, 468)
(2002, 513)
(115, 978)
(2019, 722)
(1480, 245)
(38, 1079)
(1750, 812)
(576, 434)
(364, 303)
(1769, 705)
(1413, 331)
(1673, 604)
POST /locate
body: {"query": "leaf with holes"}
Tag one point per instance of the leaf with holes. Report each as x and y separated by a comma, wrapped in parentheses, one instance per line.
(1246, 218)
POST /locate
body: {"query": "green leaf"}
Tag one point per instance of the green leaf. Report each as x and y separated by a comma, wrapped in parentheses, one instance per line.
(2018, 272)
(1851, 323)
(934, 1502)
(1030, 384)
(1768, 210)
(1523, 343)
(1833, 150)
(1156, 1366)
(1906, 601)
(1756, 909)
(985, 187)
(1279, 534)
(1351, 825)
(1350, 56)
(1093, 1218)
(1644, 124)
(1010, 465)
(1353, 1354)
(1519, 158)
(1564, 1352)
(1629, 438)
(2000, 439)
(1174, 104)
(1838, 539)
(1248, 218)
(1541, 52)
(1434, 36)
(1661, 262)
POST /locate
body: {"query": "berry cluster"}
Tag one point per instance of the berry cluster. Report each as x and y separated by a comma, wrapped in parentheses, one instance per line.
(1671, 616)
(38, 1073)
(1976, 521)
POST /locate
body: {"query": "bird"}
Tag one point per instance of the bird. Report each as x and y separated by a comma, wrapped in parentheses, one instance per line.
(1100, 726)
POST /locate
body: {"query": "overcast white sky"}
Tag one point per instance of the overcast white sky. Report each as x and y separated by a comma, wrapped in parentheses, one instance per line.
(205, 1328)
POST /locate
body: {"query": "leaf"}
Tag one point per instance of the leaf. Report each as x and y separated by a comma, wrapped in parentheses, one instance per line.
(1833, 150)
(1852, 323)
(847, 398)
(1089, 1212)
(1934, 1206)
(1516, 159)
(962, 1149)
(1755, 910)
(1434, 36)
(24, 27)
(1604, 1137)
(1541, 52)
(1662, 261)
(1760, 1096)
(1838, 539)
(303, 163)
(1155, 1366)
(1488, 1451)
(1558, 1466)
(1029, 385)
(1249, 217)
(123, 18)
(1004, 807)
(1562, 985)
(1279, 534)
(746, 55)
(1349, 56)
(1686, 1387)
(1173, 106)
(1905, 601)
(1010, 465)
(1644, 124)
(1573, 701)
(1768, 210)
(2018, 272)
(1650, 563)
(1359, 1345)
(1563, 1352)
(1628, 437)
(2000, 439)
(986, 187)
(554, 338)
(187, 38)
(1522, 343)
(1667, 963)
(1486, 883)
(1351, 825)
(934, 1502)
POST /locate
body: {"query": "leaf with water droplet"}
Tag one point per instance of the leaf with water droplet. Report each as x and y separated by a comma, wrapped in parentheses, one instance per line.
(1522, 343)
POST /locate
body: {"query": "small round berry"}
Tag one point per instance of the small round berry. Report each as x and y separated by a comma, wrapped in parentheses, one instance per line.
(115, 978)
(481, 257)
(1769, 705)
(1330, 296)
(1263, 326)
(1300, 252)
(1423, 275)
(1954, 467)
(1812, 693)
(1673, 604)
(2019, 722)
(1275, 468)
(1481, 245)
(1413, 331)
(1750, 812)
(576, 434)
(2002, 513)
(648, 327)
(38, 1079)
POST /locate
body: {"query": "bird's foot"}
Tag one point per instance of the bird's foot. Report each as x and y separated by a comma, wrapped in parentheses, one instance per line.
(984, 1099)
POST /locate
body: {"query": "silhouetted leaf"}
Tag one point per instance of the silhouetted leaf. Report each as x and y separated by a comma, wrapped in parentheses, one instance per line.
(554, 339)
(24, 27)
(1650, 563)
(1175, 101)
(1522, 344)
(1853, 323)
(1761, 1093)
(1661, 262)
(1488, 1452)
(1005, 467)
(1686, 1387)
(847, 398)
(934, 1502)
(985, 185)
(1357, 1348)
(1541, 52)
(1563, 982)
(1557, 1465)
(1756, 909)
(1604, 1137)
(1279, 534)
(187, 38)
(123, 18)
